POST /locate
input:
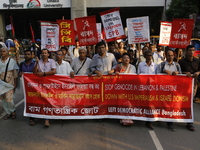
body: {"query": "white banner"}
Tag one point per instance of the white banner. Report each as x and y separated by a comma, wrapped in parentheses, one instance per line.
(5, 87)
(165, 33)
(138, 30)
(50, 36)
(99, 32)
(112, 25)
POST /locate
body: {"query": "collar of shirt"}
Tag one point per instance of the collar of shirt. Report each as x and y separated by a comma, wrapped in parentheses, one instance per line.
(167, 63)
(41, 60)
(148, 65)
(194, 59)
(103, 56)
(61, 62)
(32, 61)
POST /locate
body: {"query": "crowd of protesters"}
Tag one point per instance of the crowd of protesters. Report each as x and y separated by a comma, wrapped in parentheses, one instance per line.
(101, 59)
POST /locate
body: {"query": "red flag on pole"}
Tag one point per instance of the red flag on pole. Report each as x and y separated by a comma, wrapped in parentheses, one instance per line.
(13, 30)
(32, 34)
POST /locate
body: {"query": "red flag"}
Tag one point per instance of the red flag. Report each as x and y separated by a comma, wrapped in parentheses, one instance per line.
(32, 34)
(13, 30)
(87, 30)
(181, 33)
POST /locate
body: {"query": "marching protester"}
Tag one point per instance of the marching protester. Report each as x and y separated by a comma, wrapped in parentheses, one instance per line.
(191, 67)
(81, 64)
(158, 56)
(9, 69)
(125, 68)
(147, 67)
(27, 66)
(44, 67)
(111, 49)
(121, 50)
(63, 67)
(75, 50)
(133, 59)
(103, 62)
(179, 54)
(141, 57)
(89, 51)
(67, 56)
(170, 68)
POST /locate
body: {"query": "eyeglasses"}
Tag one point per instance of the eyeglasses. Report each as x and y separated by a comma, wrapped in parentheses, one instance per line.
(59, 54)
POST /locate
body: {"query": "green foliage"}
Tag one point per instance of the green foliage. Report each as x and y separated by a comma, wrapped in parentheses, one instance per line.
(182, 8)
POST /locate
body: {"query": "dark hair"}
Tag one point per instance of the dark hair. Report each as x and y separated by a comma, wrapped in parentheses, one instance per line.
(168, 51)
(188, 47)
(111, 43)
(148, 51)
(59, 51)
(130, 50)
(45, 49)
(76, 40)
(28, 51)
(101, 43)
(63, 48)
(125, 54)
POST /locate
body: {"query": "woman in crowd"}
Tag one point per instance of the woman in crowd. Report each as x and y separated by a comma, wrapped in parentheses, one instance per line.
(125, 68)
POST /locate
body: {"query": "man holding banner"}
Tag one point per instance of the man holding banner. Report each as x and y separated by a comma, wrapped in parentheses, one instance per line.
(103, 62)
(170, 68)
(44, 67)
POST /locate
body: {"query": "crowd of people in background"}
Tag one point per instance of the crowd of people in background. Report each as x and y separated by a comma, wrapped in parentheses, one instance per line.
(115, 57)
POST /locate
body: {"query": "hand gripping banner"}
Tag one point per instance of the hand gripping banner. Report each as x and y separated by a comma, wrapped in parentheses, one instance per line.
(137, 97)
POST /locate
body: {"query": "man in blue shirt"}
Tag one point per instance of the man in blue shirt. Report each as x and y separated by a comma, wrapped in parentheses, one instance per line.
(27, 66)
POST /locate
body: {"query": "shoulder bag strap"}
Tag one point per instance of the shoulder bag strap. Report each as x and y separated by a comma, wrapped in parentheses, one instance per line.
(6, 70)
(81, 66)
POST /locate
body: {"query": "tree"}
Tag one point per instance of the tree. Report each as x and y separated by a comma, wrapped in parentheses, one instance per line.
(182, 8)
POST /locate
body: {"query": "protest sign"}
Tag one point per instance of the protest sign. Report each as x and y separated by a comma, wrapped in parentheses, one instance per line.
(165, 33)
(138, 97)
(138, 30)
(87, 30)
(112, 25)
(50, 36)
(66, 32)
(181, 33)
(99, 31)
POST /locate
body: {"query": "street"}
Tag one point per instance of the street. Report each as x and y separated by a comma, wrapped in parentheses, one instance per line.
(17, 134)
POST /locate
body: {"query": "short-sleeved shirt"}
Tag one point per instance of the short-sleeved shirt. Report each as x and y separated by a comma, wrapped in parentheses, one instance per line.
(63, 68)
(46, 67)
(174, 66)
(103, 64)
(143, 68)
(23, 67)
(190, 66)
(77, 64)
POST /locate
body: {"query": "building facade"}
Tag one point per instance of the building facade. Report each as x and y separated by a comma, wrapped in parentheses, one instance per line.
(25, 12)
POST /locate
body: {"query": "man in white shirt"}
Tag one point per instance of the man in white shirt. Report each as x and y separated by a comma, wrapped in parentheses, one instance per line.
(147, 67)
(170, 68)
(81, 64)
(158, 56)
(63, 67)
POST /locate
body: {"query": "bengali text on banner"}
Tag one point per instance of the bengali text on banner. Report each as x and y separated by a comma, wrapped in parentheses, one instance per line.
(138, 97)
